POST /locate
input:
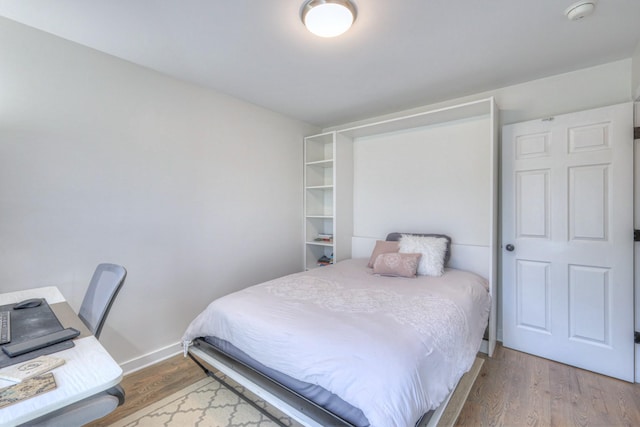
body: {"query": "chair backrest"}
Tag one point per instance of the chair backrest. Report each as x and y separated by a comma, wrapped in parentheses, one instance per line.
(105, 284)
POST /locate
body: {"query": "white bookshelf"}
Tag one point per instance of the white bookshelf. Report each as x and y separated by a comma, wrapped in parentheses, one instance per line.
(327, 197)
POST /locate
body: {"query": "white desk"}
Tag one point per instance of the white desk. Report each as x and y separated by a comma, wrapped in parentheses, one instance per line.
(88, 370)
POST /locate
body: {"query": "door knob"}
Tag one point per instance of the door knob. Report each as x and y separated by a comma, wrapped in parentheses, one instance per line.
(510, 247)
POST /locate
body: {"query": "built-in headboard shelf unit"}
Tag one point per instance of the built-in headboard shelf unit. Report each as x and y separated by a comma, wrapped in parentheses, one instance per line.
(428, 172)
(431, 172)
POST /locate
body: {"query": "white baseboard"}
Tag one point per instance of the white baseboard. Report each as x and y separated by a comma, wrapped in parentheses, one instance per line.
(148, 359)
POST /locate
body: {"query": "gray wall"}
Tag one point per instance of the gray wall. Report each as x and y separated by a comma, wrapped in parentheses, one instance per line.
(196, 193)
(635, 74)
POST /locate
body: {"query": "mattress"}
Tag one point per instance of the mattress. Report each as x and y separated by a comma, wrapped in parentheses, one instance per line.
(391, 347)
(311, 392)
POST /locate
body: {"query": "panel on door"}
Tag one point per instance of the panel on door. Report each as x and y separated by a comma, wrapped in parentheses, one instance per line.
(567, 282)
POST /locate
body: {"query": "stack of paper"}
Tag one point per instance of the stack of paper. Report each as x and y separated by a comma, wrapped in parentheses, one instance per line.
(26, 389)
(26, 370)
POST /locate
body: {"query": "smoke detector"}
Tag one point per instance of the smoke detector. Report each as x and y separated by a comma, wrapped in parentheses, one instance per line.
(580, 10)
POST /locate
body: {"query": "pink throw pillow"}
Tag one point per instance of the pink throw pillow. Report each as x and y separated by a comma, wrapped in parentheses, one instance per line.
(396, 264)
(383, 247)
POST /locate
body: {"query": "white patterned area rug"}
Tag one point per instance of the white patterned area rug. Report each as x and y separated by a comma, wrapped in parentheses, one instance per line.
(206, 404)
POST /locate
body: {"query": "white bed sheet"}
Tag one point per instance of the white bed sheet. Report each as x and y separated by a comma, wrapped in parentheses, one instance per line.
(392, 347)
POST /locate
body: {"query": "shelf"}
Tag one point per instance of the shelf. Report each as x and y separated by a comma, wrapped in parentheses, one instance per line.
(320, 192)
(314, 252)
(319, 200)
(321, 163)
(320, 243)
(320, 187)
(321, 215)
(319, 148)
(319, 174)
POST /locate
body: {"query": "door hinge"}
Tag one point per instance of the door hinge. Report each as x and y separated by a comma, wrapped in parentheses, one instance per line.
(636, 337)
(636, 132)
(636, 235)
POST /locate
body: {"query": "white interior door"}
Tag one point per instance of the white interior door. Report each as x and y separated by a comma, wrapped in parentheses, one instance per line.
(567, 188)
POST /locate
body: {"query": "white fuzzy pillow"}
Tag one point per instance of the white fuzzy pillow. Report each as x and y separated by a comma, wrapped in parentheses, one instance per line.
(432, 249)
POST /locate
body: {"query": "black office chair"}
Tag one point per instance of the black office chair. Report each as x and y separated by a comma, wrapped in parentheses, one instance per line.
(103, 289)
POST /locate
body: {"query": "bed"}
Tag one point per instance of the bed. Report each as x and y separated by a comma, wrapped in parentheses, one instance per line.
(353, 340)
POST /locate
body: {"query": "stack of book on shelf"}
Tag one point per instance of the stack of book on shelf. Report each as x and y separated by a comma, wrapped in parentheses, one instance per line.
(325, 260)
(328, 238)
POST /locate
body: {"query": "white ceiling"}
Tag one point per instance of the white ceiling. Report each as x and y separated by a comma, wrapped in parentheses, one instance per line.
(398, 55)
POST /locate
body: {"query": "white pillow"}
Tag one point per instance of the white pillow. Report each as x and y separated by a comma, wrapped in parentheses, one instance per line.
(433, 250)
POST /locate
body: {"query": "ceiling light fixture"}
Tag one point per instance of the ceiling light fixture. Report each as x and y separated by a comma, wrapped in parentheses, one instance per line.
(328, 18)
(580, 10)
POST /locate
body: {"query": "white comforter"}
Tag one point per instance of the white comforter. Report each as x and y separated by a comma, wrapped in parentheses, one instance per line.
(393, 347)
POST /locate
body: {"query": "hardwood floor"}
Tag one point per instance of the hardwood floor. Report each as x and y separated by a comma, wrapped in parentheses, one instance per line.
(513, 389)
(152, 384)
(517, 389)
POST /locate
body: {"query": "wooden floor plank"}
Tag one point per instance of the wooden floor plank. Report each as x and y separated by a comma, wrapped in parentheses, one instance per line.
(512, 389)
(517, 389)
(151, 384)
